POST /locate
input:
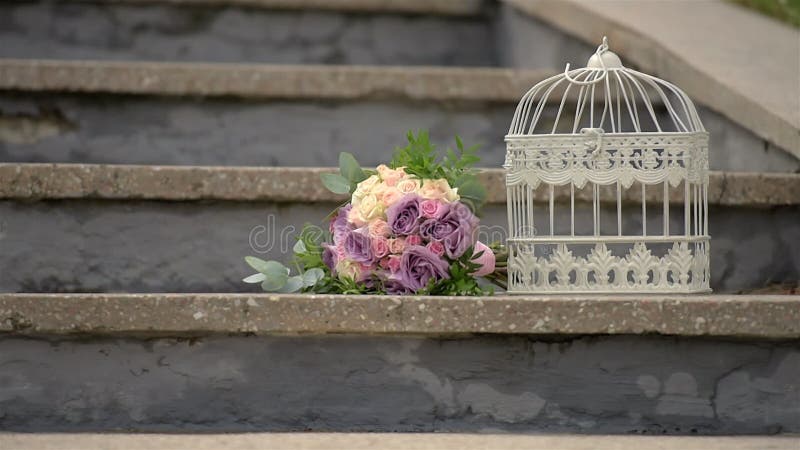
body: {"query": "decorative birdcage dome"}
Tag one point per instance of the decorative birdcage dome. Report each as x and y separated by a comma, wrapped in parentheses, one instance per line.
(607, 182)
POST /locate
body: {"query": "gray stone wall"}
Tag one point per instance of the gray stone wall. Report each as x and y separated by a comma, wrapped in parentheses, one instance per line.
(132, 246)
(72, 30)
(617, 384)
(146, 130)
(108, 129)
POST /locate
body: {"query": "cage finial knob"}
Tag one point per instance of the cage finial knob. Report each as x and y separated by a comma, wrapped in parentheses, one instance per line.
(604, 58)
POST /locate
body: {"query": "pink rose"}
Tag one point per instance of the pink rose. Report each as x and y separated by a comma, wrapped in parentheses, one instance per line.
(390, 196)
(379, 228)
(355, 218)
(436, 248)
(432, 209)
(389, 176)
(397, 245)
(380, 247)
(414, 239)
(394, 263)
(485, 261)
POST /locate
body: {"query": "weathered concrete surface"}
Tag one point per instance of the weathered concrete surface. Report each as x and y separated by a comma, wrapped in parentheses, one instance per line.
(144, 246)
(741, 316)
(699, 47)
(302, 185)
(130, 130)
(158, 31)
(386, 441)
(268, 81)
(445, 7)
(279, 132)
(617, 384)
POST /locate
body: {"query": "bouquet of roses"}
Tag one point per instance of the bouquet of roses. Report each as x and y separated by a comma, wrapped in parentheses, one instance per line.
(408, 228)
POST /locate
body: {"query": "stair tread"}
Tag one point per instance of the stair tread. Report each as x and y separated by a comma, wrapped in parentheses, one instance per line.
(444, 7)
(300, 184)
(753, 316)
(387, 441)
(269, 80)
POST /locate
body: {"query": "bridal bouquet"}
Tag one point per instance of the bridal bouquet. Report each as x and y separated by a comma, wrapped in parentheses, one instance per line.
(409, 227)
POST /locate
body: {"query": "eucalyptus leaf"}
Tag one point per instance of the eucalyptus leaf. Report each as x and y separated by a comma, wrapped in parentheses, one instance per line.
(275, 283)
(311, 276)
(349, 168)
(268, 268)
(255, 278)
(299, 247)
(335, 183)
(293, 284)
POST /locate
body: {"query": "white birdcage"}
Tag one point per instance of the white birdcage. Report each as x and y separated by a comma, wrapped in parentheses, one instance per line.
(631, 137)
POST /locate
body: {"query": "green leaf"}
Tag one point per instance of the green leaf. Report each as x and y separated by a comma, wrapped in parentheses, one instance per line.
(292, 284)
(311, 276)
(299, 247)
(268, 268)
(335, 183)
(349, 168)
(471, 192)
(255, 278)
(274, 283)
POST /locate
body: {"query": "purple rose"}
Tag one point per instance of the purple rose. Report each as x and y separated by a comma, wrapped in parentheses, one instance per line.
(329, 256)
(340, 227)
(403, 216)
(456, 230)
(394, 286)
(358, 247)
(419, 265)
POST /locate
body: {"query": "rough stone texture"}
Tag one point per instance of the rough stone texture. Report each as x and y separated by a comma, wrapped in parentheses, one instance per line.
(268, 81)
(445, 7)
(741, 316)
(276, 133)
(135, 246)
(613, 384)
(296, 184)
(699, 47)
(163, 32)
(146, 130)
(385, 441)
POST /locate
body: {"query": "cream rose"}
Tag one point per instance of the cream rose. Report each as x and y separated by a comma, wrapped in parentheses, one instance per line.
(369, 208)
(408, 185)
(438, 190)
(365, 188)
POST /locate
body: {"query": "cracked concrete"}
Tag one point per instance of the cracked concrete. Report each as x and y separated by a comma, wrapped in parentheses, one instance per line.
(348, 383)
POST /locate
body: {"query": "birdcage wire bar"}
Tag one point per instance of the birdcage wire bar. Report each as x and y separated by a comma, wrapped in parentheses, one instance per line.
(631, 137)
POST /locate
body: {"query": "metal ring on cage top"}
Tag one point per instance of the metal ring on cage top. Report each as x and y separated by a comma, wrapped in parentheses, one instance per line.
(599, 58)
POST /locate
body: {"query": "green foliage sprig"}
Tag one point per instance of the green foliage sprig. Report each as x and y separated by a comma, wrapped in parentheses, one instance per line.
(421, 159)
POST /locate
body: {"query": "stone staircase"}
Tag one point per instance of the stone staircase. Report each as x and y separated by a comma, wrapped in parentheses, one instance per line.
(146, 146)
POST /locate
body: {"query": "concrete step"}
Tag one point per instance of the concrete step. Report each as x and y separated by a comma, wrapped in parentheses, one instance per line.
(243, 363)
(379, 441)
(315, 32)
(284, 115)
(147, 113)
(85, 228)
